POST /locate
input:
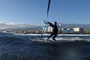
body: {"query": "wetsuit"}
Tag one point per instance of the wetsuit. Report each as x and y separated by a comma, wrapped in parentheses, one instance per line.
(55, 31)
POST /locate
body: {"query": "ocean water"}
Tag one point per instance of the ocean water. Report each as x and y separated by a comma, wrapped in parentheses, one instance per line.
(29, 47)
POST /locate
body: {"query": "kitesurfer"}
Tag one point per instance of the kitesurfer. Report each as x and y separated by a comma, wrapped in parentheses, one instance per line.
(55, 30)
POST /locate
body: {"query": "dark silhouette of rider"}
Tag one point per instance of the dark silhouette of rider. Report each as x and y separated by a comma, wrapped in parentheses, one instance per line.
(55, 30)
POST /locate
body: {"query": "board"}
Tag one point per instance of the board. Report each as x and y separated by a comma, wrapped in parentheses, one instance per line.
(43, 40)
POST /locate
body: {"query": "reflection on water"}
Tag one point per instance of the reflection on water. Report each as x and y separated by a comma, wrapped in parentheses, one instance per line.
(60, 52)
(67, 53)
(70, 53)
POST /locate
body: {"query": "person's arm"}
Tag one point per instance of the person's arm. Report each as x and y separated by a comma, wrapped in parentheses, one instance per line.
(45, 22)
(51, 24)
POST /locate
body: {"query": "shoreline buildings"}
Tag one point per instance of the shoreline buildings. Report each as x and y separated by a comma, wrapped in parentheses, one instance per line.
(48, 29)
(65, 30)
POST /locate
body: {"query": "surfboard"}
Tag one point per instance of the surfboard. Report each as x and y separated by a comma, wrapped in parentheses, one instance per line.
(38, 40)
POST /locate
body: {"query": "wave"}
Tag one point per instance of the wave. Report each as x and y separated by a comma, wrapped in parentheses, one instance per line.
(30, 37)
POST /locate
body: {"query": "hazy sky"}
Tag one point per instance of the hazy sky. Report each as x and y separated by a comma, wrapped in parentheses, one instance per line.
(34, 11)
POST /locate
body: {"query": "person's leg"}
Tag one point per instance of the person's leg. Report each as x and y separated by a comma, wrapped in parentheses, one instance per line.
(54, 37)
(50, 36)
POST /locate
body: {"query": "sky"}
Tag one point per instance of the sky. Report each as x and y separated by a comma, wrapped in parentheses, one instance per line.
(34, 11)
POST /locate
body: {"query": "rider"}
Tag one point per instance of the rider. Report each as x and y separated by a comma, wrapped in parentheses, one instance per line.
(55, 30)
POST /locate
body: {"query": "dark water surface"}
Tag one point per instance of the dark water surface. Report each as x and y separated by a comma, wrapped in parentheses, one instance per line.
(13, 48)
(47, 51)
(64, 51)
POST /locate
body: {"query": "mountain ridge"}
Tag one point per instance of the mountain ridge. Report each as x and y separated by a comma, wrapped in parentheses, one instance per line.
(23, 26)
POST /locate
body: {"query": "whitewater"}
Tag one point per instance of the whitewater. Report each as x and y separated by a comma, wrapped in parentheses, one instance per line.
(22, 47)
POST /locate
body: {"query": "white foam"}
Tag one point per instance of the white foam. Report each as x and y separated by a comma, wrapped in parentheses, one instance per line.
(67, 37)
(70, 39)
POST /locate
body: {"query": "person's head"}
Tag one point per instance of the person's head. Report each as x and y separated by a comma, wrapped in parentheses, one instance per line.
(55, 23)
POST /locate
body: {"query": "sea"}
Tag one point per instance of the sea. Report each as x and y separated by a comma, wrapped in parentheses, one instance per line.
(30, 47)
